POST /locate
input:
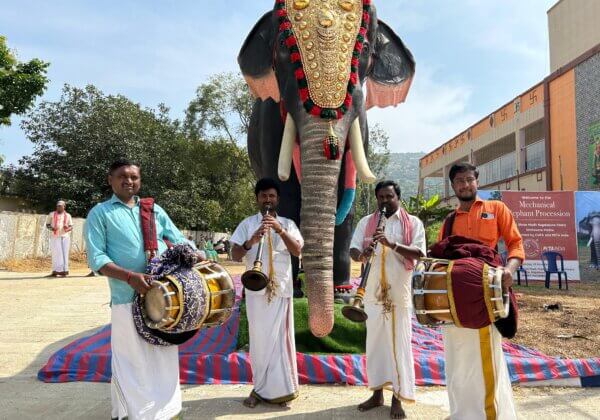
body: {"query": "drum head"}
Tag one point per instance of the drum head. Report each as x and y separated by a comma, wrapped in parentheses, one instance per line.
(155, 304)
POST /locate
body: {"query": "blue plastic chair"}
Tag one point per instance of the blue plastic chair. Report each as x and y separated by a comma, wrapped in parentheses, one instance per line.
(549, 261)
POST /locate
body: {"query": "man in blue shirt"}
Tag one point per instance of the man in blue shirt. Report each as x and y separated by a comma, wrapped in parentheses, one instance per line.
(145, 378)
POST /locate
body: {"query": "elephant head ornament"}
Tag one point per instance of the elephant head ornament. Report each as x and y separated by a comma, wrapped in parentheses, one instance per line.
(308, 62)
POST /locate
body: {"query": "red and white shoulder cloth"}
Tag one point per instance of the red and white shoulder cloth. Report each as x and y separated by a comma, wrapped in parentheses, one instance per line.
(389, 352)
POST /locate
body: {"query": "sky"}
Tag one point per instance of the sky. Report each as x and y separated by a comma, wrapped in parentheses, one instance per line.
(472, 56)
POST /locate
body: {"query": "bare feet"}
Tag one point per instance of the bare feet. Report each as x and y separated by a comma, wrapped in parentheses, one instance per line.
(397, 412)
(251, 401)
(376, 400)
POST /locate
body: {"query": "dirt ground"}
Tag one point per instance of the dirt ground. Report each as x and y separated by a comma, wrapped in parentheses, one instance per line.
(41, 315)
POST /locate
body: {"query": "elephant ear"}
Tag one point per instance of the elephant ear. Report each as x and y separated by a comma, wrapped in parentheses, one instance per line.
(391, 71)
(256, 59)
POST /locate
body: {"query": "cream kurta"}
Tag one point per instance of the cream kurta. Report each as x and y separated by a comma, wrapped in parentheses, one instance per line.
(271, 324)
(390, 361)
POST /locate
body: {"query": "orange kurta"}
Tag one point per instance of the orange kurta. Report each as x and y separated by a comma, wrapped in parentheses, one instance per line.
(488, 221)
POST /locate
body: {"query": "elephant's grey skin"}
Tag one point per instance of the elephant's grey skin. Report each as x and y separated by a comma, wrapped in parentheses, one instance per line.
(386, 61)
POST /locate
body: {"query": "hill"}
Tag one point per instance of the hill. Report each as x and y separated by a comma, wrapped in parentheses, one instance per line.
(404, 169)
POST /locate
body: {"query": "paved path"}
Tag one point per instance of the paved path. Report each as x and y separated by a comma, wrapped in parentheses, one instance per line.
(41, 315)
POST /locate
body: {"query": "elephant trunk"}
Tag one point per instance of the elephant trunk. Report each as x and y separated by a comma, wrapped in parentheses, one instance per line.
(319, 201)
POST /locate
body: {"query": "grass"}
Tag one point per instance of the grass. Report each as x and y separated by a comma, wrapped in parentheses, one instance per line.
(346, 337)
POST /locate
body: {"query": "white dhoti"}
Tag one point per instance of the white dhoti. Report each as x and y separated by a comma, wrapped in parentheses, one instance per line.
(145, 377)
(477, 374)
(59, 246)
(272, 348)
(389, 351)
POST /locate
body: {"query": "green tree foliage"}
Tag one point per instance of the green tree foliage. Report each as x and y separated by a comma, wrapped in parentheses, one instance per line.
(378, 156)
(429, 210)
(221, 109)
(202, 184)
(20, 83)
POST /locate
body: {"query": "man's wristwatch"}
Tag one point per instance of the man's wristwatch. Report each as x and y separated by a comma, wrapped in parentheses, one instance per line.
(244, 246)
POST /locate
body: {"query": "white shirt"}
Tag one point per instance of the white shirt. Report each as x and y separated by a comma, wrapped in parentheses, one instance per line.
(282, 262)
(399, 279)
(60, 224)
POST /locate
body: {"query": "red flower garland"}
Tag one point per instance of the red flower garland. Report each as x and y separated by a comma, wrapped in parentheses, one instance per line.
(285, 28)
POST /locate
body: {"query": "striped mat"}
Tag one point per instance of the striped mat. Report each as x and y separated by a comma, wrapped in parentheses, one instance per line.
(210, 358)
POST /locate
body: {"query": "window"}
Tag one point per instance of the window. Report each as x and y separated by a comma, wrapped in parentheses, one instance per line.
(535, 156)
(498, 169)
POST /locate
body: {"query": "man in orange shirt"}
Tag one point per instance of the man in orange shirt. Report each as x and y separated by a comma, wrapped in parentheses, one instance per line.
(479, 390)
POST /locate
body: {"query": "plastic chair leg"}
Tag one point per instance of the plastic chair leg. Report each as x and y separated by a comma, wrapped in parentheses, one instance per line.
(559, 281)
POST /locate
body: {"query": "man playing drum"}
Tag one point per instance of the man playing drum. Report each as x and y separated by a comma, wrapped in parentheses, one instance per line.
(387, 300)
(476, 372)
(145, 378)
(270, 310)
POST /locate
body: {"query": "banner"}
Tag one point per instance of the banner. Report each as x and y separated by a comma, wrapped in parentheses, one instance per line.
(546, 221)
(587, 208)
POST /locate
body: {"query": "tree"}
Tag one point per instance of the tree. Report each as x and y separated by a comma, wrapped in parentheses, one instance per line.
(378, 156)
(429, 211)
(221, 109)
(20, 83)
(202, 184)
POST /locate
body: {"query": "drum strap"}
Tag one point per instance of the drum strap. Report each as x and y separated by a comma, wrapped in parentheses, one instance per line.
(148, 227)
(448, 225)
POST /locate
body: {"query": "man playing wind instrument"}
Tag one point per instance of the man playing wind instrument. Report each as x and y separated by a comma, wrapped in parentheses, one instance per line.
(387, 301)
(270, 311)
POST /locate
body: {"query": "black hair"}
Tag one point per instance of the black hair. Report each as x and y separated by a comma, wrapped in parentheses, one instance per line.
(264, 184)
(388, 183)
(120, 163)
(461, 167)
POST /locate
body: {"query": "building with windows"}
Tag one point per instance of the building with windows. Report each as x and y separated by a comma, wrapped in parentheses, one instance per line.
(547, 138)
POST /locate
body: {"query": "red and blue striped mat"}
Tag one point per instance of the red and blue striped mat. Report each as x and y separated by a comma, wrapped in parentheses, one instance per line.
(210, 358)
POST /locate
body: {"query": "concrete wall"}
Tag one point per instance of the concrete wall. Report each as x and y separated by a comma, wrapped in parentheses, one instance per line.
(587, 102)
(573, 29)
(25, 235)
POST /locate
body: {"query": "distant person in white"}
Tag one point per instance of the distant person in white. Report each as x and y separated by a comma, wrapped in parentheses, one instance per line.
(270, 311)
(60, 224)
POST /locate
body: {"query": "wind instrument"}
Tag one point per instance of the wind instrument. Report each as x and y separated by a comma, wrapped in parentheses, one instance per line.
(254, 279)
(355, 312)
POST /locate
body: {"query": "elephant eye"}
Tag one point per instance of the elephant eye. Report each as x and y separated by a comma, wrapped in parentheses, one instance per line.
(347, 5)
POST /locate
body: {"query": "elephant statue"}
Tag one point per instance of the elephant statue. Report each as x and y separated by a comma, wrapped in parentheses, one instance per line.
(307, 63)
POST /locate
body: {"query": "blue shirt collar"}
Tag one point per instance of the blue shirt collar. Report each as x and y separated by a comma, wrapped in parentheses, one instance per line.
(114, 199)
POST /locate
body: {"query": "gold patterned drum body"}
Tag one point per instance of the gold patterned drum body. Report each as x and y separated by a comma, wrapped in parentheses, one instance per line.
(188, 299)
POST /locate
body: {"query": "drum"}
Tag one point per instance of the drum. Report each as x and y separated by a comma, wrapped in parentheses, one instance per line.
(465, 292)
(189, 299)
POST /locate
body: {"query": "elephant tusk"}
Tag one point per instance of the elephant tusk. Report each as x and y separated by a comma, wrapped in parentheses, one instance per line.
(287, 149)
(358, 154)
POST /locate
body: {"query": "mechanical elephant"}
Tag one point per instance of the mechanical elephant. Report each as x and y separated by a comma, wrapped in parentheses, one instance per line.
(307, 62)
